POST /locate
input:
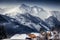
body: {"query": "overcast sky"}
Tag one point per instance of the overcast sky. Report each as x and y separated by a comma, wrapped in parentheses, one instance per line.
(46, 4)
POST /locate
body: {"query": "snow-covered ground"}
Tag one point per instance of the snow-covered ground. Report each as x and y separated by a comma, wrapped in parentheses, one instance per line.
(23, 36)
(19, 36)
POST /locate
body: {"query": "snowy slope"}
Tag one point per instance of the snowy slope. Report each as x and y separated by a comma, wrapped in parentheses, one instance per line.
(13, 27)
(54, 20)
(56, 14)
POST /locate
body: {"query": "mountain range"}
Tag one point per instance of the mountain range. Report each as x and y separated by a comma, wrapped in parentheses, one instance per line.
(26, 19)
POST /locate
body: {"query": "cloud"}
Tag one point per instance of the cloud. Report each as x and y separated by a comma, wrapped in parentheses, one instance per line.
(2, 10)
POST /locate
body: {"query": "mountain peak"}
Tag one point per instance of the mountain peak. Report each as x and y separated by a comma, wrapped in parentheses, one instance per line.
(23, 5)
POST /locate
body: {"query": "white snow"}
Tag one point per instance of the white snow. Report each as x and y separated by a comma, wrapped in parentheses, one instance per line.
(36, 34)
(19, 36)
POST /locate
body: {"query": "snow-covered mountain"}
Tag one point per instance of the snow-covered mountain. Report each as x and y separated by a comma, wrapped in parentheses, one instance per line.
(25, 18)
(32, 21)
(13, 27)
(56, 14)
(52, 21)
(24, 8)
(25, 23)
(32, 16)
(56, 17)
